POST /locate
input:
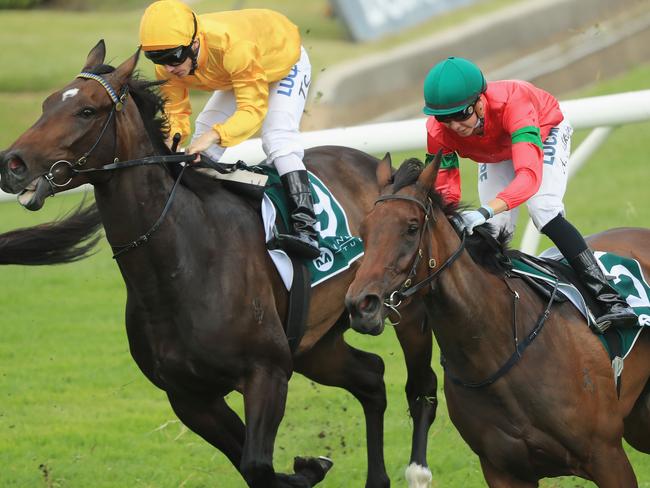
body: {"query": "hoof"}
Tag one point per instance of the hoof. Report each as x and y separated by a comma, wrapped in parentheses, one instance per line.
(313, 469)
(418, 476)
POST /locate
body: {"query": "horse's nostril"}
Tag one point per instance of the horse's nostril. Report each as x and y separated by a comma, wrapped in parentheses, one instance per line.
(369, 304)
(16, 165)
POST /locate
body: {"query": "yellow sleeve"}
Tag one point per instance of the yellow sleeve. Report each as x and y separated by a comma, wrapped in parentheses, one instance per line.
(177, 105)
(251, 90)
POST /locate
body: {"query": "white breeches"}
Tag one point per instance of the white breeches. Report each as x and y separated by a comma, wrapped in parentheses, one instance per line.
(281, 126)
(547, 203)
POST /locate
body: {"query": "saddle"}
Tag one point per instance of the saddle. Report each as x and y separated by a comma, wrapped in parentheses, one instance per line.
(544, 274)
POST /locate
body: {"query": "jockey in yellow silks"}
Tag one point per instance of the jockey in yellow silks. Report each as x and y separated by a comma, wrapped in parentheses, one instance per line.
(253, 61)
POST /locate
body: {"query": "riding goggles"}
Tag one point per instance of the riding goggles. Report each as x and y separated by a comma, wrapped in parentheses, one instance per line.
(170, 57)
(460, 116)
(175, 55)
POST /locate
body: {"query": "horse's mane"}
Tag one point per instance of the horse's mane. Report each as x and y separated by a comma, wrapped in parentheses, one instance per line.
(482, 252)
(147, 97)
(150, 103)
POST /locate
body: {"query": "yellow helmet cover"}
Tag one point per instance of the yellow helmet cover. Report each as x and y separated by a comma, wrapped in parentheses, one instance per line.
(166, 24)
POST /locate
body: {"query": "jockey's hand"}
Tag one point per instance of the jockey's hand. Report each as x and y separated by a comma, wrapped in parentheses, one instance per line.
(474, 218)
(201, 144)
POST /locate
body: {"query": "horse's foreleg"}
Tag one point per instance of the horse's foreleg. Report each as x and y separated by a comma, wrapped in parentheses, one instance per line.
(265, 395)
(333, 362)
(213, 420)
(611, 468)
(637, 423)
(416, 340)
(495, 478)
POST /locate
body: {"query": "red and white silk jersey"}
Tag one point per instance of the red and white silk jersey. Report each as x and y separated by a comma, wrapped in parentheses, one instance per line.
(517, 118)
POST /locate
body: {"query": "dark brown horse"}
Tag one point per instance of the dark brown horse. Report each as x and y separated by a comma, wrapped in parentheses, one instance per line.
(556, 411)
(66, 240)
(205, 306)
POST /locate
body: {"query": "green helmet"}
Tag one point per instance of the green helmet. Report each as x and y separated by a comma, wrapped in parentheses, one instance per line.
(451, 86)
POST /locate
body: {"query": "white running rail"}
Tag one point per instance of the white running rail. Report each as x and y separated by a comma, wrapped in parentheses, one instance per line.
(602, 114)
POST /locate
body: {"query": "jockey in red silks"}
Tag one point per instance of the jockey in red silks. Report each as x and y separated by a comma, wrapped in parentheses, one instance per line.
(521, 140)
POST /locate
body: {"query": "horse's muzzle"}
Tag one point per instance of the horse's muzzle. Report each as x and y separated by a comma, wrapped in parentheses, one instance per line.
(13, 172)
(16, 178)
(366, 313)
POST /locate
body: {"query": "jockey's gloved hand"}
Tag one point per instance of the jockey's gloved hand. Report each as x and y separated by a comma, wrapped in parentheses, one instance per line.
(474, 218)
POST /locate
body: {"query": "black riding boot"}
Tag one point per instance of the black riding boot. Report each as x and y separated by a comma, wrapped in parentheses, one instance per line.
(615, 310)
(304, 241)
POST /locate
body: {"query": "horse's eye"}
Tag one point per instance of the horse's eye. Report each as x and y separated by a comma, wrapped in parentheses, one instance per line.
(412, 229)
(87, 112)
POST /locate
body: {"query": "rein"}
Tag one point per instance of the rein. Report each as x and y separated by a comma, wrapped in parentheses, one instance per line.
(407, 290)
(520, 347)
(118, 105)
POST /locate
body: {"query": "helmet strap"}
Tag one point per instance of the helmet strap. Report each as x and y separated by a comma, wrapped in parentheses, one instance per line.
(194, 54)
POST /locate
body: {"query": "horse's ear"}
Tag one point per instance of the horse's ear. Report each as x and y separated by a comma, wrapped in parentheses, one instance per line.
(95, 56)
(428, 177)
(385, 171)
(124, 71)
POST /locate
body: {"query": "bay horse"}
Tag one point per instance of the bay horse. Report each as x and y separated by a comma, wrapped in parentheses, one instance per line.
(205, 305)
(555, 412)
(65, 240)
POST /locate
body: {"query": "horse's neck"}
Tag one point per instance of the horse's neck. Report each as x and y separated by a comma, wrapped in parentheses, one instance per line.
(472, 311)
(134, 198)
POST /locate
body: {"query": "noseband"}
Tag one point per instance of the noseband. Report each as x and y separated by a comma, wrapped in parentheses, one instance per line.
(407, 289)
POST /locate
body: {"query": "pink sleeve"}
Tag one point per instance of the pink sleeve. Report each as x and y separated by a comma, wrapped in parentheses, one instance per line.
(448, 185)
(528, 160)
(448, 180)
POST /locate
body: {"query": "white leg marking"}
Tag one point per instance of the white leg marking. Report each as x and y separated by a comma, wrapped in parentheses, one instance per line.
(418, 476)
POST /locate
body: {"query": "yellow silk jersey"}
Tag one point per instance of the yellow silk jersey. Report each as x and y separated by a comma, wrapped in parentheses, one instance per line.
(243, 50)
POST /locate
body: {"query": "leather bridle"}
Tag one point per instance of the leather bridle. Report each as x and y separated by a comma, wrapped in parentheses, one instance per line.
(408, 289)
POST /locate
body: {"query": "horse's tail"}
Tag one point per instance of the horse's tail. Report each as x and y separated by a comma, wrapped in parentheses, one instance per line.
(68, 239)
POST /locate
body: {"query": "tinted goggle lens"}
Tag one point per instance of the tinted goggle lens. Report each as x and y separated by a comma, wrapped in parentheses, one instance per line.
(170, 57)
(464, 114)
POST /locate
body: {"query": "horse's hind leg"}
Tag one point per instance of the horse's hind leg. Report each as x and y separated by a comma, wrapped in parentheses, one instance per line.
(416, 340)
(213, 420)
(333, 362)
(637, 423)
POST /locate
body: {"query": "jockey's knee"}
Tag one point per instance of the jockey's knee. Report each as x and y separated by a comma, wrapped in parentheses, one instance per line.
(541, 213)
(288, 163)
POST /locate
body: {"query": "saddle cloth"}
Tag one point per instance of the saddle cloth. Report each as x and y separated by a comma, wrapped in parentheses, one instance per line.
(339, 249)
(624, 274)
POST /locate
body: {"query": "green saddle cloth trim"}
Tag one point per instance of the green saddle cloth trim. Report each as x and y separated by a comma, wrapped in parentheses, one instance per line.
(338, 248)
(628, 281)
